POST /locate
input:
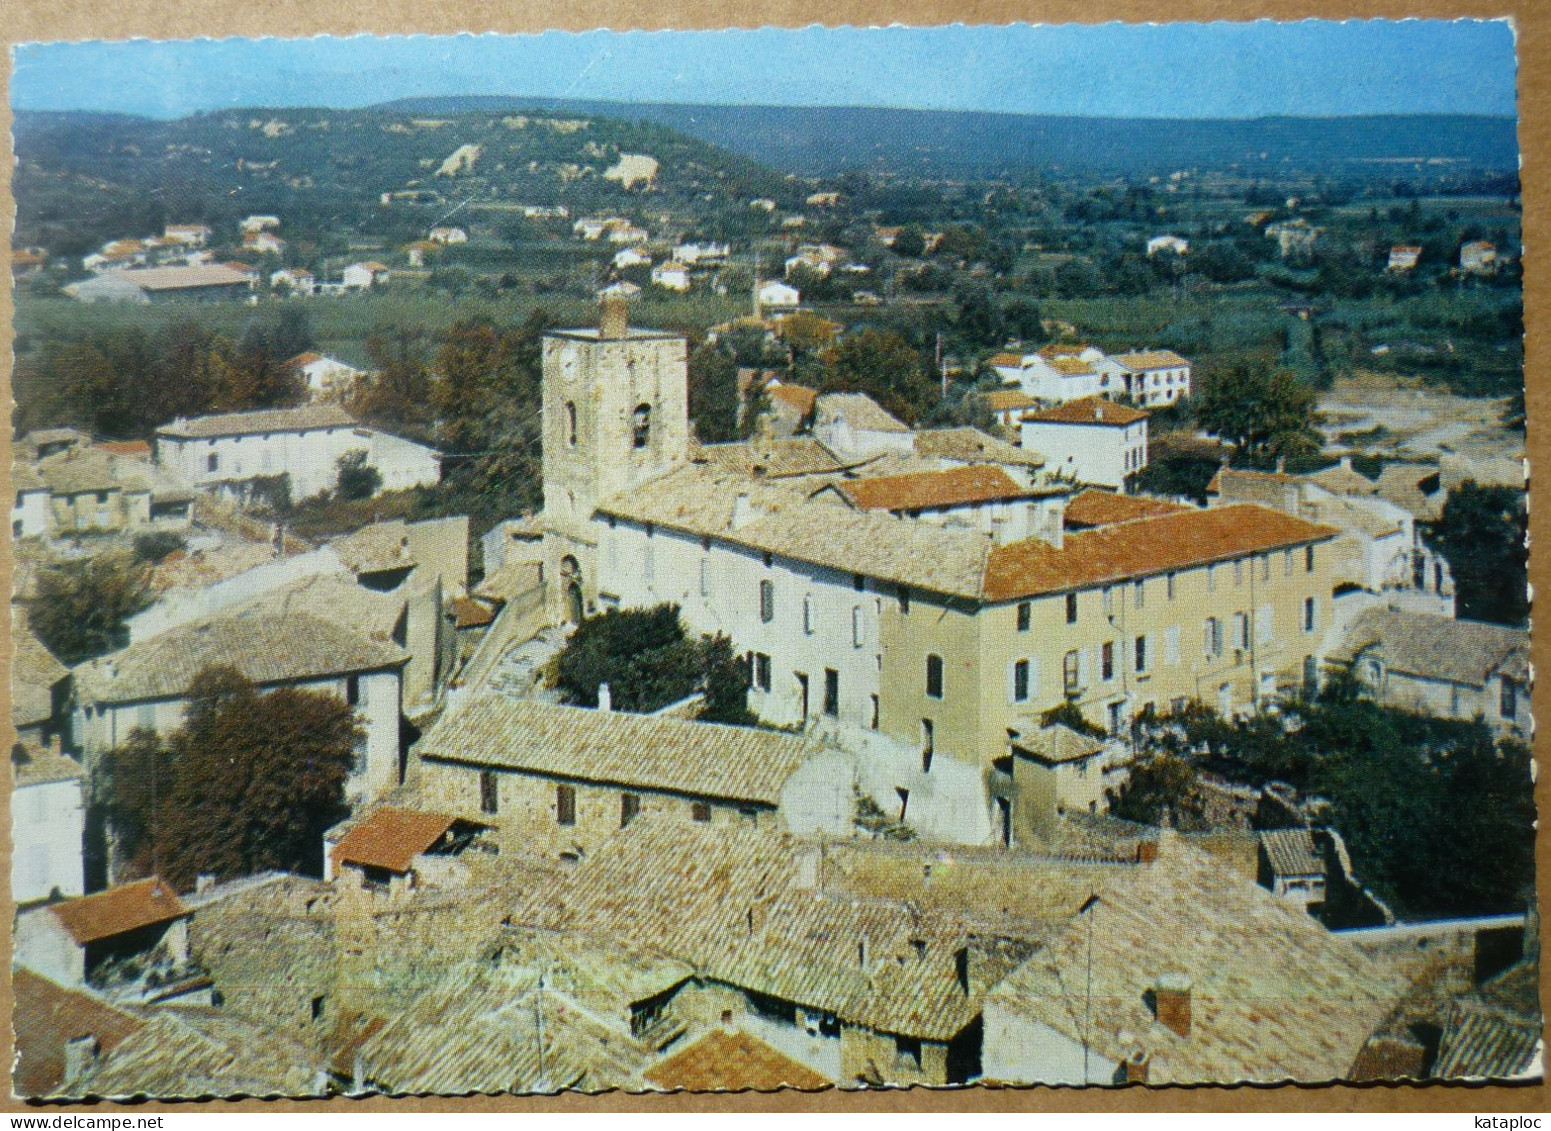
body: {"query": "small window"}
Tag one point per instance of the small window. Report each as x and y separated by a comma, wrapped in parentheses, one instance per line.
(213, 462)
(807, 613)
(767, 601)
(1308, 559)
(629, 808)
(1308, 614)
(928, 744)
(641, 426)
(1168, 581)
(1213, 636)
(858, 627)
(1025, 615)
(1071, 608)
(831, 692)
(352, 689)
(872, 722)
(319, 1006)
(1139, 594)
(1287, 559)
(1020, 681)
(1211, 578)
(858, 582)
(1141, 655)
(489, 798)
(1107, 660)
(768, 559)
(1265, 567)
(1070, 672)
(570, 423)
(934, 676)
(700, 812)
(762, 671)
(907, 1051)
(1238, 571)
(1241, 630)
(565, 805)
(904, 600)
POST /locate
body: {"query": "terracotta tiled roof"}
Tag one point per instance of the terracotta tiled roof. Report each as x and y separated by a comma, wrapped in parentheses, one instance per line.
(1088, 410)
(47, 1017)
(34, 673)
(469, 613)
(306, 418)
(391, 839)
(1071, 366)
(1055, 350)
(1143, 360)
(1104, 508)
(971, 445)
(124, 447)
(179, 278)
(1004, 400)
(307, 358)
(860, 411)
(1226, 476)
(954, 486)
(1291, 852)
(1008, 360)
(775, 459)
(674, 755)
(1145, 546)
(1059, 743)
(799, 397)
(373, 266)
(127, 907)
(735, 1062)
(1437, 647)
(41, 766)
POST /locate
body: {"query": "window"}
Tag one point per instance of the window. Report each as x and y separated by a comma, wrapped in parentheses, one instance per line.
(1308, 559)
(928, 744)
(1070, 672)
(565, 805)
(762, 671)
(768, 559)
(1020, 681)
(1117, 725)
(1141, 654)
(700, 812)
(1265, 623)
(1071, 608)
(1213, 637)
(1025, 615)
(705, 577)
(807, 613)
(1169, 586)
(831, 692)
(767, 601)
(213, 462)
(570, 423)
(1265, 567)
(1107, 660)
(1241, 630)
(641, 426)
(873, 718)
(1308, 614)
(629, 808)
(907, 1051)
(1508, 700)
(934, 676)
(858, 626)
(1139, 594)
(319, 1006)
(489, 798)
(1310, 677)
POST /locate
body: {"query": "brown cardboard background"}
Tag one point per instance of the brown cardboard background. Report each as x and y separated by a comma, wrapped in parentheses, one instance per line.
(42, 20)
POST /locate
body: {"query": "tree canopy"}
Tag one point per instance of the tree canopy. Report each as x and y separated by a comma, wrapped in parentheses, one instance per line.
(1481, 532)
(81, 606)
(249, 783)
(1263, 413)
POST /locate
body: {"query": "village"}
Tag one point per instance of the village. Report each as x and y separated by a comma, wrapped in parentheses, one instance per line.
(522, 601)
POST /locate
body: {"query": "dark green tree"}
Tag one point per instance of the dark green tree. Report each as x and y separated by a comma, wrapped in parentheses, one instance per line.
(80, 606)
(1481, 532)
(1263, 413)
(714, 399)
(357, 478)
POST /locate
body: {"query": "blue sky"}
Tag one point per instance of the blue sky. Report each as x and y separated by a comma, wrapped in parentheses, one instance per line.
(1117, 70)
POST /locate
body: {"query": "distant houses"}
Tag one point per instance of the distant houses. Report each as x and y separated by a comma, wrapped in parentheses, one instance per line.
(145, 285)
(1057, 373)
(1403, 258)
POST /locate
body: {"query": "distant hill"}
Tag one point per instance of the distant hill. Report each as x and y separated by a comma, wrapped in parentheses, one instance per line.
(817, 141)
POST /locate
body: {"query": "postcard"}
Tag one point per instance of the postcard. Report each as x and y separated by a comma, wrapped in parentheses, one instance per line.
(828, 558)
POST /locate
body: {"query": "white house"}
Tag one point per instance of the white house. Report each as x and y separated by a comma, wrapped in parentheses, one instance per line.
(1167, 243)
(364, 276)
(624, 288)
(273, 642)
(190, 235)
(1478, 257)
(631, 257)
(1154, 377)
(228, 452)
(259, 224)
(671, 276)
(776, 295)
(700, 254)
(853, 424)
(48, 824)
(294, 280)
(1056, 374)
(262, 242)
(590, 227)
(29, 509)
(446, 234)
(327, 378)
(1090, 440)
(1403, 258)
(623, 231)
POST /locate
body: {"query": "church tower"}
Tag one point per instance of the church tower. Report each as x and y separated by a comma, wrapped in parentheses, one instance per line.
(616, 415)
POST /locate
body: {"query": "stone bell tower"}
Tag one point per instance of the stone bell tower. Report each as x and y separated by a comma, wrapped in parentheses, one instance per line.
(616, 415)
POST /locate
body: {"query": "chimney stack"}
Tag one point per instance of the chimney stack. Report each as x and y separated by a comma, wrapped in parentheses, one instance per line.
(605, 698)
(613, 318)
(1136, 1065)
(1172, 1002)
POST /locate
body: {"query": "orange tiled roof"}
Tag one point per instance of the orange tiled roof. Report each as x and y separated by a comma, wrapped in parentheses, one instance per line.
(1070, 366)
(799, 397)
(1152, 359)
(306, 358)
(1145, 546)
(1105, 508)
(123, 447)
(1215, 486)
(1089, 410)
(1003, 400)
(391, 839)
(733, 1062)
(117, 910)
(919, 490)
(1008, 360)
(1055, 349)
(469, 613)
(47, 1017)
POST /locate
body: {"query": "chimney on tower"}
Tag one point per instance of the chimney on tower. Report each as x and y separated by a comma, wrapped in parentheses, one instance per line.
(613, 318)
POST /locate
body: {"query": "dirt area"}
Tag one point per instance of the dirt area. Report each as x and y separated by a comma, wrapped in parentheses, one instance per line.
(1416, 421)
